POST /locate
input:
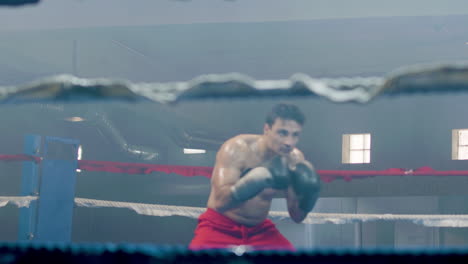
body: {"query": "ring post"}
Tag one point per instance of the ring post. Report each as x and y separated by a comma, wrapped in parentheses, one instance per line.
(54, 210)
(29, 187)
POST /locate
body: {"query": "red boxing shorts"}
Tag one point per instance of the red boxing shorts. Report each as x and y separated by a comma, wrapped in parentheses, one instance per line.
(215, 231)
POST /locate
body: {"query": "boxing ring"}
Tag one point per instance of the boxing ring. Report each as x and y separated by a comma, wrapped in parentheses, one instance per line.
(357, 90)
(143, 253)
(193, 212)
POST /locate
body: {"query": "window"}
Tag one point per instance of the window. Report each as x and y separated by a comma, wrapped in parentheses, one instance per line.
(356, 148)
(460, 144)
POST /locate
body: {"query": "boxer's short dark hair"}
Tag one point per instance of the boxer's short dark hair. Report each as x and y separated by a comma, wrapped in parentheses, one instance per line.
(286, 112)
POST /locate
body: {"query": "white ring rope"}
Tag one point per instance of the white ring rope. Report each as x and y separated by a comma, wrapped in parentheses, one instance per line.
(19, 201)
(312, 218)
(423, 77)
(359, 89)
(144, 209)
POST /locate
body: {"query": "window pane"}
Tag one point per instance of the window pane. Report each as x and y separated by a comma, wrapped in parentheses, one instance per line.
(366, 156)
(367, 141)
(463, 137)
(356, 141)
(462, 153)
(356, 156)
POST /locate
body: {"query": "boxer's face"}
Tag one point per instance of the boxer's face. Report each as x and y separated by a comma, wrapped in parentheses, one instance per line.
(282, 136)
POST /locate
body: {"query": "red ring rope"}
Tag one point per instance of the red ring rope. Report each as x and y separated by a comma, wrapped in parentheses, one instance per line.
(141, 168)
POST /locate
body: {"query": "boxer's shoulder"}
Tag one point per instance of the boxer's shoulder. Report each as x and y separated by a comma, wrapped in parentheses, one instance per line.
(238, 150)
(243, 142)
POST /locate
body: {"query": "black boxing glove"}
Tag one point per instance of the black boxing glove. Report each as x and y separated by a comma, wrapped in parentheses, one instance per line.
(272, 174)
(279, 171)
(252, 182)
(306, 183)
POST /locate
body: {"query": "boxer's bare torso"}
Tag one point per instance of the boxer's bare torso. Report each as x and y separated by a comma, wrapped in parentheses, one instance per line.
(237, 155)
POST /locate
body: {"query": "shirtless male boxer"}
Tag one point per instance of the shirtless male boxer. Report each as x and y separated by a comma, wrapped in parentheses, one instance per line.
(250, 171)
